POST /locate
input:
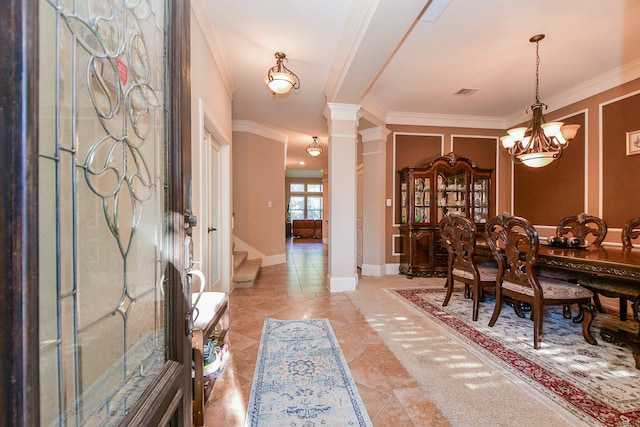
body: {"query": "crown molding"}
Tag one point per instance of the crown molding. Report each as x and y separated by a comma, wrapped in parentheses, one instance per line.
(449, 120)
(610, 80)
(303, 173)
(257, 129)
(204, 17)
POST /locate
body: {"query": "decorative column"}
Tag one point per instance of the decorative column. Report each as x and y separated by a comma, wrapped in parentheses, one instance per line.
(374, 153)
(342, 122)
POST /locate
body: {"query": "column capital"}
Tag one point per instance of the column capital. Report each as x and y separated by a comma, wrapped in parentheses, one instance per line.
(378, 133)
(338, 111)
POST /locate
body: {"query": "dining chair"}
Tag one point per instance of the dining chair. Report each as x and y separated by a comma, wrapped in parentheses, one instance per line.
(623, 289)
(581, 226)
(578, 227)
(631, 234)
(514, 243)
(459, 237)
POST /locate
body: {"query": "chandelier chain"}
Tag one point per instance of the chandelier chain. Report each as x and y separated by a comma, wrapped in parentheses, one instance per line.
(537, 72)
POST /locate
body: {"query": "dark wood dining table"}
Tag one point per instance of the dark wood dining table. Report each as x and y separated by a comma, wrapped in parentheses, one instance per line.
(607, 261)
(618, 267)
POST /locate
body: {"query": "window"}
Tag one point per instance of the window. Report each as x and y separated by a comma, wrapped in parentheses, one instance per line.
(296, 207)
(314, 207)
(305, 201)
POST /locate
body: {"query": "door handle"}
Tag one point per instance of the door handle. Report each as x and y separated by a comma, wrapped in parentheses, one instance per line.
(193, 313)
(210, 229)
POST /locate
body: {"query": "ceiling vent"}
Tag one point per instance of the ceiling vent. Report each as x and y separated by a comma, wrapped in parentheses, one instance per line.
(465, 92)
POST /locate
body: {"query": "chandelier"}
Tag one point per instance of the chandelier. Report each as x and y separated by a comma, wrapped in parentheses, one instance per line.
(314, 149)
(279, 78)
(539, 143)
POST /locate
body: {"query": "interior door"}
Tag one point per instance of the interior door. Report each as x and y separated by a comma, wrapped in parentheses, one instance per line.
(112, 188)
(213, 203)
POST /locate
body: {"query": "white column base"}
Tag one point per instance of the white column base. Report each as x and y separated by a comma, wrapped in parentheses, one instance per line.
(342, 284)
(373, 270)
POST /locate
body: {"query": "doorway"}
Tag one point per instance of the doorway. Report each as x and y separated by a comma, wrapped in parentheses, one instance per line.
(211, 212)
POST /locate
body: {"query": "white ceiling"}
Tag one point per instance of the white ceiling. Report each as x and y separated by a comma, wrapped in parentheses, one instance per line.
(403, 70)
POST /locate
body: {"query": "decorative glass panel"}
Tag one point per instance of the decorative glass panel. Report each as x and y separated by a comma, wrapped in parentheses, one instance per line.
(102, 212)
(481, 200)
(422, 198)
(403, 201)
(451, 193)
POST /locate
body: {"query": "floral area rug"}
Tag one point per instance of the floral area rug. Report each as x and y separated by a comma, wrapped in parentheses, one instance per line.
(598, 384)
(302, 378)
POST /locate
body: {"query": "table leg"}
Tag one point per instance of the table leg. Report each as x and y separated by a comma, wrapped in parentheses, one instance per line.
(623, 337)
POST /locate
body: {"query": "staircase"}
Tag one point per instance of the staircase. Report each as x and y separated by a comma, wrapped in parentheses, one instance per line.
(245, 271)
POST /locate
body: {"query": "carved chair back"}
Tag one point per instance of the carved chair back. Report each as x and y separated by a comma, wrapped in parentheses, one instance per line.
(459, 237)
(514, 243)
(580, 226)
(630, 233)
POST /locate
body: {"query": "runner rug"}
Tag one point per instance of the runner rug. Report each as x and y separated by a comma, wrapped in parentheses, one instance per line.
(302, 378)
(597, 384)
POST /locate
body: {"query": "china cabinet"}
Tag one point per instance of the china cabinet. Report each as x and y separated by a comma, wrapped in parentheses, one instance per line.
(445, 185)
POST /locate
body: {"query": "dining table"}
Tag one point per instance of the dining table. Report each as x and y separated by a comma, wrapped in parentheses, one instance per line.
(612, 266)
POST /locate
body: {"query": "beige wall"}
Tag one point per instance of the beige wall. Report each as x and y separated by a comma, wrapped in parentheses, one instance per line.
(258, 192)
(210, 102)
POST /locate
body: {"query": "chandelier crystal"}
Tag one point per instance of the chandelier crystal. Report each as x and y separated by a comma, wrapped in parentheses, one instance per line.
(279, 78)
(540, 143)
(314, 149)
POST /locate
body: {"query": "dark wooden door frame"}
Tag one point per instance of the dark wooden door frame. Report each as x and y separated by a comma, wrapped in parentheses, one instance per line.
(19, 382)
(19, 343)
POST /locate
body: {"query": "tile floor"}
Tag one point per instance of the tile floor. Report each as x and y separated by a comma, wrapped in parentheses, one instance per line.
(297, 290)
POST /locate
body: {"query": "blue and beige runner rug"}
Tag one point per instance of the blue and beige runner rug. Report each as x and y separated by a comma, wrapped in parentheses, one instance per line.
(302, 378)
(598, 385)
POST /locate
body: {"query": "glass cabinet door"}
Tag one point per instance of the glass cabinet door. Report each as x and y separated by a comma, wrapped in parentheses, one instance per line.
(451, 193)
(404, 197)
(481, 200)
(422, 198)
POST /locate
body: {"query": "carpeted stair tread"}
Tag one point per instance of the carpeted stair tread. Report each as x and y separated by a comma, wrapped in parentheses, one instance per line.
(238, 258)
(245, 275)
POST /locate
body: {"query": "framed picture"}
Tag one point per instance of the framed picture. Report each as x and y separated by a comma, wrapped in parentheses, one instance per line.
(633, 142)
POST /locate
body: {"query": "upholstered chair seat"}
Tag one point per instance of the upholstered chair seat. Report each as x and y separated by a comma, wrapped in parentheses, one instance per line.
(552, 289)
(487, 273)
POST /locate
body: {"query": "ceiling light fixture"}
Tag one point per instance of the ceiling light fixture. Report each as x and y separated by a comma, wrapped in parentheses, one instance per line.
(279, 78)
(314, 149)
(539, 143)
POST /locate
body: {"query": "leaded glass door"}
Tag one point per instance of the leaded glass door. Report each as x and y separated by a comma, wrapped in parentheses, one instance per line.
(110, 351)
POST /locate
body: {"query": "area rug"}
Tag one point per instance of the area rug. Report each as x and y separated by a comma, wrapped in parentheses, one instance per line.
(597, 384)
(302, 378)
